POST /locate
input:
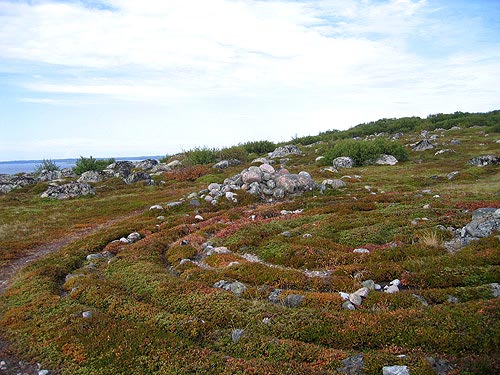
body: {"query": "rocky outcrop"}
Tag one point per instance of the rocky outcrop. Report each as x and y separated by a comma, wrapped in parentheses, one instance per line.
(139, 177)
(11, 182)
(71, 190)
(120, 169)
(386, 160)
(46, 175)
(484, 160)
(91, 177)
(286, 150)
(146, 165)
(223, 164)
(485, 221)
(263, 181)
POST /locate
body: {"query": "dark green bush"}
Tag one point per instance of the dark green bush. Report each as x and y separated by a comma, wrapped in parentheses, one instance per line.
(47, 165)
(235, 152)
(365, 151)
(259, 147)
(201, 155)
(90, 164)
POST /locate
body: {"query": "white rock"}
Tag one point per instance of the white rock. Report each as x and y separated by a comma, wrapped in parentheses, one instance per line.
(392, 289)
(355, 299)
(344, 296)
(396, 282)
(87, 314)
(156, 207)
(361, 251)
(362, 292)
(199, 217)
(395, 370)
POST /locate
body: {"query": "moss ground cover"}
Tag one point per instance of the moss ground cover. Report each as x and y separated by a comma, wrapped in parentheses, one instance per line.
(154, 308)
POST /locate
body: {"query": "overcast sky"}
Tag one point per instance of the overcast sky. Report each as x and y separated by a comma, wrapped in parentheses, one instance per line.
(151, 77)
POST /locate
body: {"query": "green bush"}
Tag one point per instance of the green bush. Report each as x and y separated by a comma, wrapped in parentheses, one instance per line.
(90, 164)
(47, 165)
(236, 152)
(201, 155)
(259, 147)
(365, 151)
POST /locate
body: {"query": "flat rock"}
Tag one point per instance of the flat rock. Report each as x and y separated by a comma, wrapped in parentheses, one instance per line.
(343, 162)
(395, 370)
(71, 190)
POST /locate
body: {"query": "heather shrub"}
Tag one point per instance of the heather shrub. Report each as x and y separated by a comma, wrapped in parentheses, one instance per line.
(90, 164)
(259, 147)
(201, 155)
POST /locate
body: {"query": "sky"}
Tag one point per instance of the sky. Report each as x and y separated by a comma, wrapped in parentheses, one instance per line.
(154, 77)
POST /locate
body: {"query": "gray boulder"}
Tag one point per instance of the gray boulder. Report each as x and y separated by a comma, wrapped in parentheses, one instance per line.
(352, 365)
(253, 174)
(484, 160)
(120, 169)
(286, 150)
(226, 163)
(237, 334)
(235, 287)
(146, 165)
(386, 160)
(71, 190)
(423, 145)
(46, 175)
(293, 300)
(484, 222)
(91, 176)
(139, 177)
(395, 370)
(11, 182)
(160, 167)
(293, 183)
(333, 184)
(343, 162)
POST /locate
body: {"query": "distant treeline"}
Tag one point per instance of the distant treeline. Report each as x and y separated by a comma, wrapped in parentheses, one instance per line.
(407, 124)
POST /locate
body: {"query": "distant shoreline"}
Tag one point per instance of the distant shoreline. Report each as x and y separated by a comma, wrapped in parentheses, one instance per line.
(28, 166)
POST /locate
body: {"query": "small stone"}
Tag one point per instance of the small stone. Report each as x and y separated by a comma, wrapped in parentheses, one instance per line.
(43, 372)
(266, 320)
(124, 240)
(293, 300)
(344, 296)
(133, 237)
(307, 235)
(286, 234)
(184, 242)
(160, 218)
(396, 282)
(355, 299)
(370, 284)
(453, 299)
(362, 292)
(156, 207)
(495, 289)
(237, 334)
(3, 365)
(352, 365)
(392, 289)
(94, 256)
(199, 217)
(347, 305)
(361, 251)
(395, 370)
(421, 299)
(87, 314)
(274, 296)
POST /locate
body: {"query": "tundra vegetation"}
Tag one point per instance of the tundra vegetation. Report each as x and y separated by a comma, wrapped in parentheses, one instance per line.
(149, 306)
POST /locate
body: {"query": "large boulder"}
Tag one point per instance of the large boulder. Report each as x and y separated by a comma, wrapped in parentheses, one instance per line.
(139, 177)
(286, 150)
(46, 175)
(120, 169)
(484, 160)
(91, 176)
(295, 183)
(386, 160)
(343, 162)
(71, 190)
(223, 164)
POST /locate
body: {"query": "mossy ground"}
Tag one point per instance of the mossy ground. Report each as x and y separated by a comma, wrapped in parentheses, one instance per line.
(152, 315)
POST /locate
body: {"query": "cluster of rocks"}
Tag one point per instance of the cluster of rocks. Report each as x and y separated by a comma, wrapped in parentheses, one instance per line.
(484, 160)
(70, 190)
(356, 299)
(347, 162)
(484, 222)
(264, 181)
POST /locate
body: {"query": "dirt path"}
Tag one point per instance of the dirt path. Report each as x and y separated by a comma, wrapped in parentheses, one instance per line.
(10, 364)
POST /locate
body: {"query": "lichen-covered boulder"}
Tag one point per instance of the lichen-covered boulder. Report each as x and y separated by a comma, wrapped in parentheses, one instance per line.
(343, 162)
(286, 150)
(71, 190)
(484, 160)
(91, 176)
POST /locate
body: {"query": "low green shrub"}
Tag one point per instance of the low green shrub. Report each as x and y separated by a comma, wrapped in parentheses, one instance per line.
(47, 165)
(259, 147)
(235, 152)
(90, 164)
(365, 151)
(201, 155)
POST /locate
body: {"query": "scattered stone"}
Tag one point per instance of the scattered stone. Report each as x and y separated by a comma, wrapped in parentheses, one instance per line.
(355, 299)
(274, 296)
(91, 176)
(386, 160)
(94, 256)
(147, 164)
(361, 251)
(396, 282)
(293, 300)
(352, 365)
(333, 184)
(484, 160)
(173, 204)
(440, 366)
(344, 296)
(235, 287)
(11, 182)
(423, 145)
(452, 175)
(199, 217)
(286, 234)
(395, 370)
(343, 162)
(237, 334)
(443, 151)
(266, 320)
(347, 305)
(319, 158)
(133, 237)
(495, 289)
(3, 365)
(370, 284)
(156, 207)
(329, 169)
(135, 177)
(71, 190)
(43, 372)
(46, 175)
(174, 164)
(307, 235)
(223, 164)
(262, 161)
(362, 292)
(286, 150)
(120, 169)
(391, 289)
(87, 314)
(453, 299)
(455, 142)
